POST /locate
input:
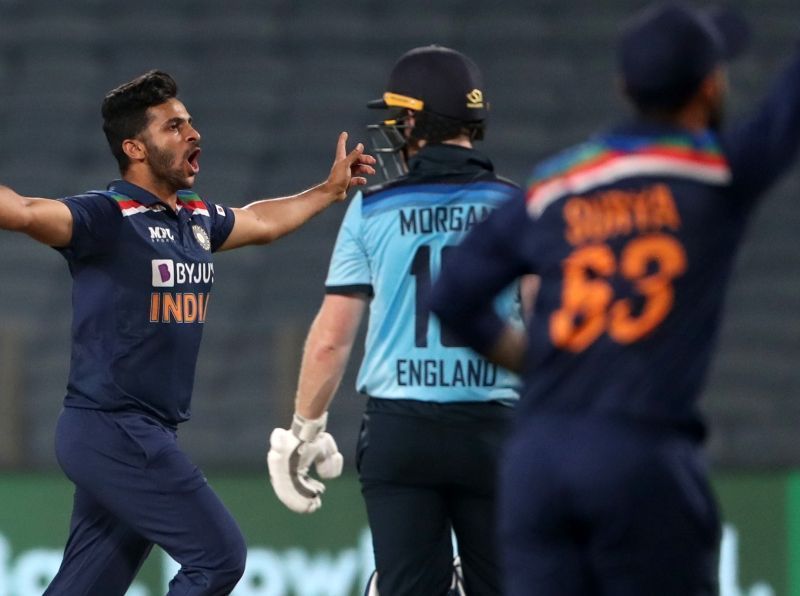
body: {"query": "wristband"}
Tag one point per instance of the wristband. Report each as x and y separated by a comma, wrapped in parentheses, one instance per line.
(308, 429)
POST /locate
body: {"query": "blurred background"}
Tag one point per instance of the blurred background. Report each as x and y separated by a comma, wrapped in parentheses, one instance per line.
(269, 85)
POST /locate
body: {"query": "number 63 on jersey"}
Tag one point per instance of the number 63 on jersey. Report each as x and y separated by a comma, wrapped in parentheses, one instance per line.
(589, 307)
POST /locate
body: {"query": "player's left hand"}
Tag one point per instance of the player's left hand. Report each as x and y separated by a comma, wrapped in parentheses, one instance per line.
(349, 169)
(291, 455)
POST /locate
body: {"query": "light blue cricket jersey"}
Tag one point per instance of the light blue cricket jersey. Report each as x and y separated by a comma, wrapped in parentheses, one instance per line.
(391, 245)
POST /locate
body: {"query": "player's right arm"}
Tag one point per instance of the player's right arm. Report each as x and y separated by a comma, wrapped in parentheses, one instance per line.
(327, 350)
(45, 220)
(293, 451)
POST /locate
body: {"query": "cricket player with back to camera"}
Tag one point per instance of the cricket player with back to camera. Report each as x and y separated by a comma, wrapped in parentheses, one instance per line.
(604, 486)
(436, 412)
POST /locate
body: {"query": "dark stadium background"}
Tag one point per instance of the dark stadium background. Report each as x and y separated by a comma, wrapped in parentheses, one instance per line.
(270, 84)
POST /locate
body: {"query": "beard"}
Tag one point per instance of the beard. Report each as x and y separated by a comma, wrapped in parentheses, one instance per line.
(162, 163)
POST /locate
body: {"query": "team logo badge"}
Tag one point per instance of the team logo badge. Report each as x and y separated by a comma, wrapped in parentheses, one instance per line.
(202, 236)
(475, 99)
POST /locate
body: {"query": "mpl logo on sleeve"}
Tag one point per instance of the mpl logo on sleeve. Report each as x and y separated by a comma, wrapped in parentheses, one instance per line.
(163, 273)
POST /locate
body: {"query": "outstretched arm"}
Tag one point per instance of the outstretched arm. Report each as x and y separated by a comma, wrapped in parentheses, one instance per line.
(267, 220)
(765, 144)
(45, 220)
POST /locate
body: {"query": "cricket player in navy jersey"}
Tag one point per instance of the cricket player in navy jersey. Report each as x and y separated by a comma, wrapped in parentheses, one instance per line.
(140, 257)
(436, 412)
(604, 485)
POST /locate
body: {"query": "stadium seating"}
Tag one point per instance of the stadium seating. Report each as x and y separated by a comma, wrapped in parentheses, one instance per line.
(270, 84)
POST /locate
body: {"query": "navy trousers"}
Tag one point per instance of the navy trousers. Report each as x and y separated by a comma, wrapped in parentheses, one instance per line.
(136, 488)
(428, 470)
(594, 506)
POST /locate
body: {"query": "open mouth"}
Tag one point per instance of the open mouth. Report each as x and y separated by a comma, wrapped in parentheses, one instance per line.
(193, 159)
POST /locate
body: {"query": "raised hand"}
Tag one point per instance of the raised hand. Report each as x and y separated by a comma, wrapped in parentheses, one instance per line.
(349, 169)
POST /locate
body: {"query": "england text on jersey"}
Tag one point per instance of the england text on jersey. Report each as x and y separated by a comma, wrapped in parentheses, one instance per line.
(429, 372)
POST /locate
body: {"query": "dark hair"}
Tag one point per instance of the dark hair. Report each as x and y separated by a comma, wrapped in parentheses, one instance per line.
(668, 105)
(435, 128)
(125, 109)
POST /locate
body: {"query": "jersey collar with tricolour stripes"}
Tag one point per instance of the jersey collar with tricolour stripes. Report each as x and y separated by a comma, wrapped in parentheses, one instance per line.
(133, 199)
(637, 150)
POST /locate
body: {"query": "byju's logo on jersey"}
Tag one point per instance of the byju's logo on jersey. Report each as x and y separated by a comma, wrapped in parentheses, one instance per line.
(159, 234)
(163, 273)
(189, 303)
(167, 273)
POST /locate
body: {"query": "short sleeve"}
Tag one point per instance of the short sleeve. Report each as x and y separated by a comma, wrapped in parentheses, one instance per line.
(95, 224)
(349, 270)
(222, 220)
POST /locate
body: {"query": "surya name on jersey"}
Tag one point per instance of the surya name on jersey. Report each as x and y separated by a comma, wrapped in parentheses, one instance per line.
(179, 307)
(650, 261)
(612, 213)
(430, 372)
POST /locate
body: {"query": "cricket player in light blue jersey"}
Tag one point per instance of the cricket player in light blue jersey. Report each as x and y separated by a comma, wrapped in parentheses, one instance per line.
(437, 412)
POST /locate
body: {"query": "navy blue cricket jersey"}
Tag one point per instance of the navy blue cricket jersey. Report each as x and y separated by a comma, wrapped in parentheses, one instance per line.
(142, 277)
(633, 234)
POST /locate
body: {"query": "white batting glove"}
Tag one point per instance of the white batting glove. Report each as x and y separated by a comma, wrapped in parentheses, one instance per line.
(291, 454)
